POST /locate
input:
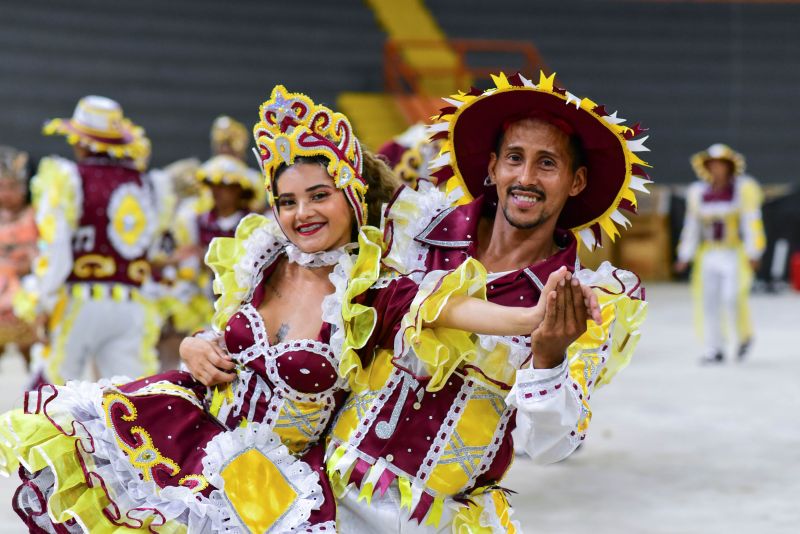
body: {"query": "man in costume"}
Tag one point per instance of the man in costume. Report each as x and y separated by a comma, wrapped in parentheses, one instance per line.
(723, 235)
(96, 221)
(426, 436)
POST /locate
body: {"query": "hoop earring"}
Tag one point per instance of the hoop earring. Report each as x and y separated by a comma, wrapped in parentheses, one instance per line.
(488, 181)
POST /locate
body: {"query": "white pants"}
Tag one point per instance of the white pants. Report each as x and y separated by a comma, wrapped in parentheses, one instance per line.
(383, 515)
(720, 282)
(112, 332)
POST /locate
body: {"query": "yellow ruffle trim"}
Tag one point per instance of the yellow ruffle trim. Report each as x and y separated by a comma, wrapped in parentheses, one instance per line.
(224, 253)
(25, 303)
(485, 504)
(54, 184)
(442, 350)
(627, 314)
(187, 317)
(359, 320)
(30, 439)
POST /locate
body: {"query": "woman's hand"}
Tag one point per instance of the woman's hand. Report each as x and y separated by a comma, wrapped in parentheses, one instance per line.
(207, 362)
(561, 277)
(566, 310)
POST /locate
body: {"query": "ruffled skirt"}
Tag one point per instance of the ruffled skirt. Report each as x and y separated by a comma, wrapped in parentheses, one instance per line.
(145, 455)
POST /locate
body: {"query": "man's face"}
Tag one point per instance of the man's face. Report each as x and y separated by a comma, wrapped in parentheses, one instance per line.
(533, 173)
(721, 171)
(227, 197)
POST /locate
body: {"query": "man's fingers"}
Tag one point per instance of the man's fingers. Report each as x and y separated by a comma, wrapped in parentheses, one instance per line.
(561, 294)
(221, 377)
(578, 308)
(553, 280)
(570, 319)
(594, 307)
(550, 311)
(591, 304)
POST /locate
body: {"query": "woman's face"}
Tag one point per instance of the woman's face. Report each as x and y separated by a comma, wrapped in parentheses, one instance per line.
(12, 194)
(313, 213)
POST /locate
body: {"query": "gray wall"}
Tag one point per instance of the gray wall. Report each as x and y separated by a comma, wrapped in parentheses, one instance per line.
(174, 65)
(694, 73)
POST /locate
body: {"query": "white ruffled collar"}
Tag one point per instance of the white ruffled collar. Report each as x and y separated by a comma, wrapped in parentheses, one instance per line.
(325, 258)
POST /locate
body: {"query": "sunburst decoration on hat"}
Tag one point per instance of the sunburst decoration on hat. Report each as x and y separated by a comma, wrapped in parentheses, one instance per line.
(292, 125)
(469, 128)
(717, 151)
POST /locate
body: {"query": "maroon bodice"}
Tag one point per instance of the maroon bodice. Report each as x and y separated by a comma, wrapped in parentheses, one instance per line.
(292, 386)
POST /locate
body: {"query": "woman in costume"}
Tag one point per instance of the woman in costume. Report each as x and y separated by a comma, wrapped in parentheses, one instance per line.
(425, 439)
(166, 453)
(723, 235)
(232, 188)
(18, 245)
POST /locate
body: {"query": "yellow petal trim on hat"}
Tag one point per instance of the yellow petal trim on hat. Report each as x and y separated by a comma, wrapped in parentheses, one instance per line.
(547, 85)
(717, 151)
(227, 170)
(137, 149)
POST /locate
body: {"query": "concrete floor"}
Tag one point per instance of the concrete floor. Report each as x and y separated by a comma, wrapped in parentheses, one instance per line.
(674, 447)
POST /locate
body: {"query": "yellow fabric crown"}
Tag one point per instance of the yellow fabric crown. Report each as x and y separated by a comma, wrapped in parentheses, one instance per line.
(292, 125)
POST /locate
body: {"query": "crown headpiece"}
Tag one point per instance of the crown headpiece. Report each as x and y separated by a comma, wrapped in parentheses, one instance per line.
(291, 125)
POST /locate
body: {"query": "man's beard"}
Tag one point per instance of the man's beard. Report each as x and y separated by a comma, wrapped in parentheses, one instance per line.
(543, 216)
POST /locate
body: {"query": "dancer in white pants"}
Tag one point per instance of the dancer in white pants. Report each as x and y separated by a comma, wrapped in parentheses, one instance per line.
(723, 235)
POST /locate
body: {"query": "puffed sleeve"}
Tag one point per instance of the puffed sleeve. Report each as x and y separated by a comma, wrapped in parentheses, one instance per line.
(57, 201)
(690, 235)
(553, 409)
(751, 224)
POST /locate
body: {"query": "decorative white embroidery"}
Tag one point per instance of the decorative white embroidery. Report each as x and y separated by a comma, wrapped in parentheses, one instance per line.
(446, 430)
(304, 480)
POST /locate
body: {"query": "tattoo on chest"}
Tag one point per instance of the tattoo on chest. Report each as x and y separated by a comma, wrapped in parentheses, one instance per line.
(282, 331)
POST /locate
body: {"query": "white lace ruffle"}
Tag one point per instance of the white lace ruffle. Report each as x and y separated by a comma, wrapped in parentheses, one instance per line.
(261, 248)
(324, 258)
(410, 213)
(226, 447)
(617, 281)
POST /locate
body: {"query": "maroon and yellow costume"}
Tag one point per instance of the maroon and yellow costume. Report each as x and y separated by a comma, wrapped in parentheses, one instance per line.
(96, 222)
(426, 437)
(166, 454)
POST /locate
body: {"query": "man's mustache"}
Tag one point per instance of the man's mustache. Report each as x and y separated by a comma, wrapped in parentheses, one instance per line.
(527, 189)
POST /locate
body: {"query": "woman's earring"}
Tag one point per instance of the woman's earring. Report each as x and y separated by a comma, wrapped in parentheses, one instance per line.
(488, 181)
